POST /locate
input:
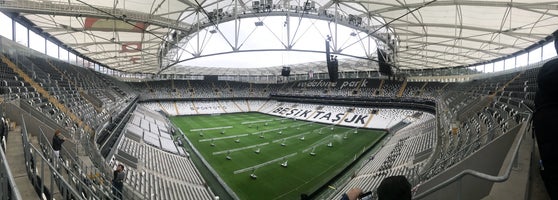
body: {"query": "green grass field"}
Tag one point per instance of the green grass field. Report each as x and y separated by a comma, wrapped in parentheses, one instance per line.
(244, 133)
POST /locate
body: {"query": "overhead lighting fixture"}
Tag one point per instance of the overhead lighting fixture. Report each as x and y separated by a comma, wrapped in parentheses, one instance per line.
(258, 23)
(213, 31)
(353, 34)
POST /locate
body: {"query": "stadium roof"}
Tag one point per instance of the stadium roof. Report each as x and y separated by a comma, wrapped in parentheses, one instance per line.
(162, 36)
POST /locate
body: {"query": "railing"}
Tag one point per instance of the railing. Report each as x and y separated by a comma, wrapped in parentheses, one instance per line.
(94, 151)
(36, 164)
(468, 147)
(42, 165)
(490, 178)
(75, 167)
(117, 131)
(8, 187)
(49, 121)
(99, 160)
(105, 169)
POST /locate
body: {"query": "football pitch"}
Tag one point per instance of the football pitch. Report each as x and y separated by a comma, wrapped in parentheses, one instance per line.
(248, 151)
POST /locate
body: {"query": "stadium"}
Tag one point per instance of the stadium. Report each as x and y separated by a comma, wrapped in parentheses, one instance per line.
(276, 99)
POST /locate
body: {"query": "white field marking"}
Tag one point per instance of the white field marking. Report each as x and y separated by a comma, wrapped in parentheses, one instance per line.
(205, 129)
(263, 164)
(239, 149)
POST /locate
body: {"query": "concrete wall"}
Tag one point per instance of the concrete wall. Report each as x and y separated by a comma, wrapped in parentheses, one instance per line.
(488, 160)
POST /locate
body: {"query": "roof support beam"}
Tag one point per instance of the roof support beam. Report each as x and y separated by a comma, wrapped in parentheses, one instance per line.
(105, 43)
(410, 63)
(64, 29)
(243, 4)
(138, 68)
(424, 44)
(503, 4)
(453, 38)
(117, 51)
(174, 12)
(475, 28)
(121, 61)
(327, 5)
(78, 10)
(431, 58)
(442, 52)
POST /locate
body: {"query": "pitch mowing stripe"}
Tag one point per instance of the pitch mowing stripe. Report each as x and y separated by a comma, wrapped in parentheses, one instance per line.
(263, 164)
(240, 149)
(298, 179)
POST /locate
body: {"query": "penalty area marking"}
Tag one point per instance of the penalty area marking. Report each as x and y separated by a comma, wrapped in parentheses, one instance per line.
(263, 164)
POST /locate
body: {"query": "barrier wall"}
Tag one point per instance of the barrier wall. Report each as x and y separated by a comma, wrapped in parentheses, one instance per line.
(488, 160)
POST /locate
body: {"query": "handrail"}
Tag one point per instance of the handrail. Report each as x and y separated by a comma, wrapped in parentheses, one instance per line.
(94, 150)
(478, 174)
(67, 156)
(55, 173)
(10, 176)
(468, 145)
(438, 107)
(61, 182)
(124, 112)
(119, 127)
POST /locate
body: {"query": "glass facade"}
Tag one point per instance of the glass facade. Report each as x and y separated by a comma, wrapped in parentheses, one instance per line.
(21, 35)
(36, 42)
(7, 29)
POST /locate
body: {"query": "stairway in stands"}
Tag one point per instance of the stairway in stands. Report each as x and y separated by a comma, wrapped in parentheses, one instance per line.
(17, 163)
(45, 93)
(499, 90)
(14, 155)
(91, 99)
(402, 89)
(379, 91)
